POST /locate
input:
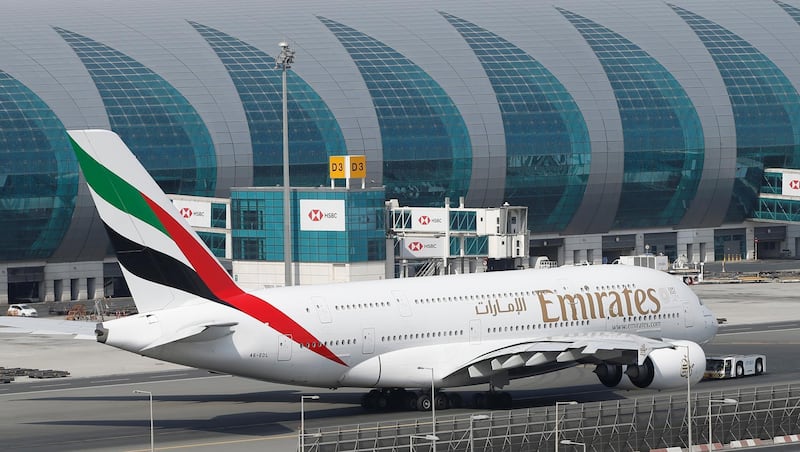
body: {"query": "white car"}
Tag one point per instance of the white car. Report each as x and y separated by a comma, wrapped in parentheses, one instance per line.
(22, 310)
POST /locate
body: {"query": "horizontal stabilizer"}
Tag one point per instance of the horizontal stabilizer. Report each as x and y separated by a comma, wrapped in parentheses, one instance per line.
(195, 333)
(80, 330)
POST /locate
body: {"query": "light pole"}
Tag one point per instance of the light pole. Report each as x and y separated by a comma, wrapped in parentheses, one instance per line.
(303, 420)
(473, 418)
(284, 61)
(686, 369)
(152, 435)
(555, 430)
(431, 438)
(433, 407)
(722, 402)
(567, 442)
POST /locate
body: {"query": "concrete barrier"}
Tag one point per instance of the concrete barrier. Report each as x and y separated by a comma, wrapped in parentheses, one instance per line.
(746, 443)
(786, 439)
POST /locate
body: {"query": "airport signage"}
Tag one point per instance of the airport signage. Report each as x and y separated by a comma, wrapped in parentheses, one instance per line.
(196, 213)
(322, 215)
(429, 220)
(791, 184)
(423, 247)
(348, 166)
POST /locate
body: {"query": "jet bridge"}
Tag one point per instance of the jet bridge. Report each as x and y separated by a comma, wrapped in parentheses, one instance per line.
(778, 207)
(444, 240)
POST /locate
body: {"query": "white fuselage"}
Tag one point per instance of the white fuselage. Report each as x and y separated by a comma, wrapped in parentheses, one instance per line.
(385, 330)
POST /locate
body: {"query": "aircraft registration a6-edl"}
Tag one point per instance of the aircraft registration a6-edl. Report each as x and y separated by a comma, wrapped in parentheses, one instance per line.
(635, 325)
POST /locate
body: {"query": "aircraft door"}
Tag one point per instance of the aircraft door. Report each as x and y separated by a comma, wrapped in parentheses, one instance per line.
(475, 331)
(284, 347)
(687, 314)
(402, 303)
(323, 312)
(368, 341)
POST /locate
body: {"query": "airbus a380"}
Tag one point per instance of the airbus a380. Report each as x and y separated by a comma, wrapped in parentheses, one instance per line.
(634, 325)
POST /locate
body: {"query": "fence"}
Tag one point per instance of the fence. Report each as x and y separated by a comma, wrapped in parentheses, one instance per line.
(621, 425)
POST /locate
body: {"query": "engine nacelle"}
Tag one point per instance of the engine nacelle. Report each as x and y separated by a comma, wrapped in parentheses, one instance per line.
(664, 368)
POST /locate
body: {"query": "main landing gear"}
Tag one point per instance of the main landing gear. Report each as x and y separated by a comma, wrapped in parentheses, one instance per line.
(492, 400)
(398, 399)
(401, 399)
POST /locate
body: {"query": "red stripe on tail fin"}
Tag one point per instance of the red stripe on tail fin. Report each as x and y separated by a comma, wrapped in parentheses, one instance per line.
(221, 285)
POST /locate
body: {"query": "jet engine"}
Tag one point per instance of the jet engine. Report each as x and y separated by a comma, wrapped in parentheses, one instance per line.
(664, 368)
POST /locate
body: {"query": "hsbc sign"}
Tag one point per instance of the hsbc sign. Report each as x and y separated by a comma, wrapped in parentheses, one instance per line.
(196, 213)
(791, 184)
(423, 247)
(429, 220)
(316, 215)
(322, 215)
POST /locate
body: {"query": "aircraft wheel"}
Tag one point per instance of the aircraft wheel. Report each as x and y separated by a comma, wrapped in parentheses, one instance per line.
(410, 402)
(441, 401)
(424, 402)
(381, 401)
(370, 400)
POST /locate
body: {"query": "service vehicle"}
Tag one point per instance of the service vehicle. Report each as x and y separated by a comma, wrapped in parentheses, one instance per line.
(734, 366)
(22, 310)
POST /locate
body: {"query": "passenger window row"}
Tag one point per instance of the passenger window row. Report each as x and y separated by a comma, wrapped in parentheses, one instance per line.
(416, 336)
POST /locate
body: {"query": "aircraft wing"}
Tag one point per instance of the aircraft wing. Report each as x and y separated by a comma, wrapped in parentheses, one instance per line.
(589, 348)
(79, 329)
(464, 363)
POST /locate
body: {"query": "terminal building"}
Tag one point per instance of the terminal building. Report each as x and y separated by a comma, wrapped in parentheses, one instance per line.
(621, 127)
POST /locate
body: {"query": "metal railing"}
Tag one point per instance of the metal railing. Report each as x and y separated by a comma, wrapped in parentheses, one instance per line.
(618, 425)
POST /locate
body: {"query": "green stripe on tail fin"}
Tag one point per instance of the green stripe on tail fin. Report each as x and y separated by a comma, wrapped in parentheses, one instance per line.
(114, 190)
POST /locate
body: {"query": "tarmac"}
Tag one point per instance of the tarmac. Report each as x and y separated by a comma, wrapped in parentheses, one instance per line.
(734, 297)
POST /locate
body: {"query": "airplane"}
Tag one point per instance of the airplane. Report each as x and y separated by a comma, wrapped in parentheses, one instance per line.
(398, 337)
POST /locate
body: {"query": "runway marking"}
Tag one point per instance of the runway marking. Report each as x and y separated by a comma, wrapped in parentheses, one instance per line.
(219, 443)
(755, 331)
(270, 438)
(153, 377)
(82, 388)
(52, 385)
(112, 380)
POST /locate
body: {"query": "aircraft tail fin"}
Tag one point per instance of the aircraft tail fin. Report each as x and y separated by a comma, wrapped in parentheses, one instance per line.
(163, 260)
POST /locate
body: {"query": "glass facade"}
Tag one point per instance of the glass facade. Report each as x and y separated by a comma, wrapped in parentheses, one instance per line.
(214, 241)
(463, 220)
(473, 246)
(427, 154)
(766, 110)
(257, 227)
(38, 175)
(449, 99)
(158, 124)
(663, 138)
(314, 134)
(547, 143)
